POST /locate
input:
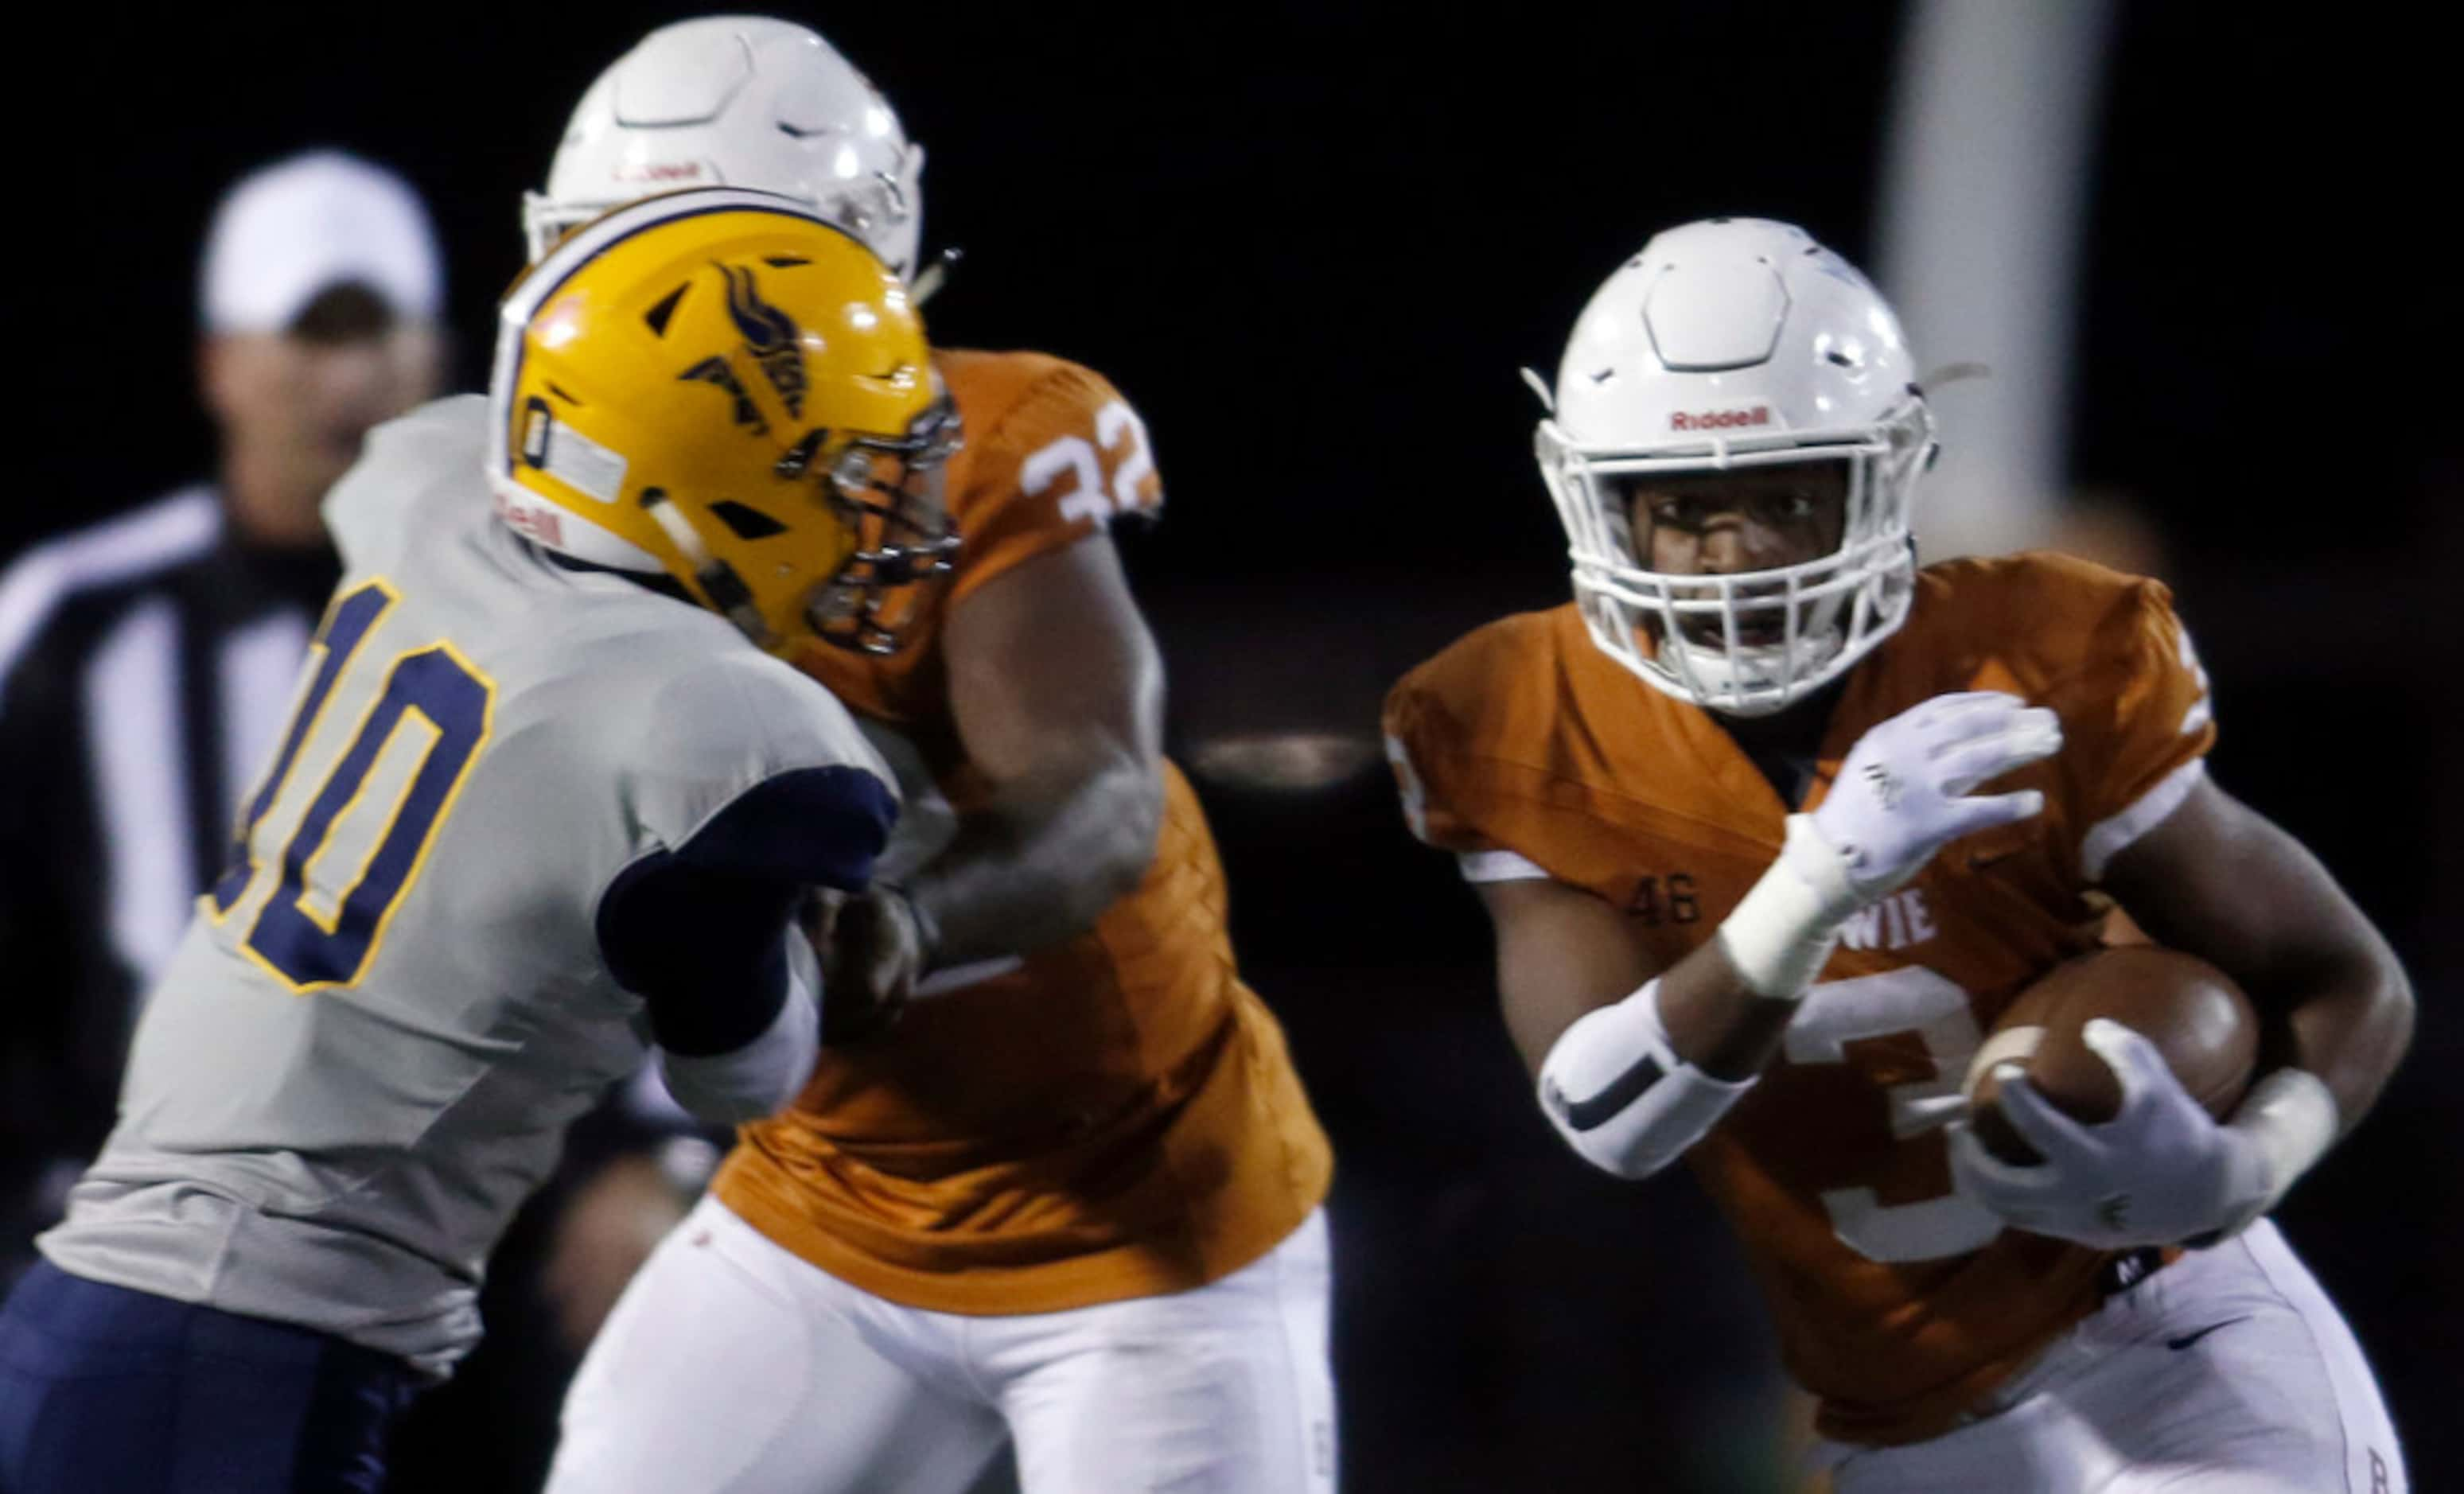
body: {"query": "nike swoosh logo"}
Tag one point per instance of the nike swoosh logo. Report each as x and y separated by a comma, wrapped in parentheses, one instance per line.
(2188, 1339)
(1603, 1107)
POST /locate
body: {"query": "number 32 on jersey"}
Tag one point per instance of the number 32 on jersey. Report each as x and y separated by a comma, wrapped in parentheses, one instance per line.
(349, 842)
(1085, 495)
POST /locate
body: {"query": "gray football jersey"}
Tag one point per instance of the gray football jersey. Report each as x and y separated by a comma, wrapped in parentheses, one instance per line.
(366, 1050)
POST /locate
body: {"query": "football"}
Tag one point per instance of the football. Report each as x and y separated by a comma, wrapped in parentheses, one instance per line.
(2193, 1013)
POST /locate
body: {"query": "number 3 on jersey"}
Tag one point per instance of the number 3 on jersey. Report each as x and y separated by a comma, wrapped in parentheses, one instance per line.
(1122, 436)
(1909, 1004)
(387, 792)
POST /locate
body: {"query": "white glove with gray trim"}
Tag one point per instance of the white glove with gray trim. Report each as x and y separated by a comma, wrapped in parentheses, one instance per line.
(1900, 797)
(1902, 793)
(2162, 1171)
(2157, 1172)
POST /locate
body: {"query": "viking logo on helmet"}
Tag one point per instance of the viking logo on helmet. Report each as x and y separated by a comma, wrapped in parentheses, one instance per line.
(713, 369)
(770, 336)
(832, 560)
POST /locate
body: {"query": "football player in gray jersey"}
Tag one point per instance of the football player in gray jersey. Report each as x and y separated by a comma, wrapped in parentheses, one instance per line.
(549, 794)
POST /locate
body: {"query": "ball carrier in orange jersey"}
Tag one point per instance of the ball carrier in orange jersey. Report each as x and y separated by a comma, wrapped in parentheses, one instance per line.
(1772, 825)
(1081, 1144)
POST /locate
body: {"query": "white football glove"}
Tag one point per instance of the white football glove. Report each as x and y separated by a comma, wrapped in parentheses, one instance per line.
(2160, 1172)
(1902, 793)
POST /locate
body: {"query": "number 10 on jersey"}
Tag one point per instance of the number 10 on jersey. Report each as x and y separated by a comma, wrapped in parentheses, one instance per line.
(310, 940)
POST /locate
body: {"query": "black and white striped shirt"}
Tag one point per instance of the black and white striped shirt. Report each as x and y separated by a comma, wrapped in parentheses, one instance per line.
(145, 665)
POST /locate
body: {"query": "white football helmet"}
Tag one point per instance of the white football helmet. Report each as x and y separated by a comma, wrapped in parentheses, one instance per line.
(1727, 343)
(737, 101)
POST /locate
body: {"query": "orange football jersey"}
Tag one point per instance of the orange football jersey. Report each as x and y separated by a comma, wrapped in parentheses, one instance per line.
(1898, 1303)
(1111, 1117)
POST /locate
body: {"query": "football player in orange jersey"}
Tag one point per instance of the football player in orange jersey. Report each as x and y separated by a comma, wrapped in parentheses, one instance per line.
(1070, 1196)
(1772, 825)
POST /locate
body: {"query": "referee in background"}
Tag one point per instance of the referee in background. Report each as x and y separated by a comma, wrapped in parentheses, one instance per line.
(146, 663)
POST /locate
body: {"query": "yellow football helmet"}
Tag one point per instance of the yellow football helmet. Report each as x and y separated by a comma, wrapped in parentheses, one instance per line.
(723, 387)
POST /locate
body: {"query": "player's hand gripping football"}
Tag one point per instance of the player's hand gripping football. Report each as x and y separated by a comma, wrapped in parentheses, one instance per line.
(2160, 1172)
(872, 953)
(1903, 794)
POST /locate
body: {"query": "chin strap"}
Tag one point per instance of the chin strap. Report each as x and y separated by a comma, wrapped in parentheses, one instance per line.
(931, 278)
(1953, 373)
(726, 591)
(1540, 387)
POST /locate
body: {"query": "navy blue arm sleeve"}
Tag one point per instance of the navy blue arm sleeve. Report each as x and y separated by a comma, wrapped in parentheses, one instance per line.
(698, 931)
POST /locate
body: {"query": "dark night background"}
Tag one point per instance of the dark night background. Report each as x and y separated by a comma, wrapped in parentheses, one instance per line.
(1313, 244)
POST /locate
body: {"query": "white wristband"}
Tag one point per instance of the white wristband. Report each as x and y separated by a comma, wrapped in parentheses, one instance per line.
(2290, 1119)
(1781, 931)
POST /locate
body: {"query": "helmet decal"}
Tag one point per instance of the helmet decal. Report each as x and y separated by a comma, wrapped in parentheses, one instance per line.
(714, 370)
(659, 316)
(769, 335)
(828, 527)
(747, 521)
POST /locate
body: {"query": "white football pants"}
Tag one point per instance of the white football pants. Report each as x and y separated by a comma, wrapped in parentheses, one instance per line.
(733, 1366)
(2228, 1372)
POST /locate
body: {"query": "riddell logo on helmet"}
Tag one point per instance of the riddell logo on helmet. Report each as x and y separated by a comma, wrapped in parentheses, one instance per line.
(660, 171)
(1720, 419)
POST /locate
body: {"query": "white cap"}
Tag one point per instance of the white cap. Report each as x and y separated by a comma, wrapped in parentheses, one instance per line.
(292, 230)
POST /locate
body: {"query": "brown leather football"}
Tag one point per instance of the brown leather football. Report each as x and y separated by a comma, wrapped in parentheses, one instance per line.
(2193, 1013)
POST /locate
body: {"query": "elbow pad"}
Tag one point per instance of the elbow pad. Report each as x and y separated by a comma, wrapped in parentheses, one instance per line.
(764, 1074)
(1620, 1095)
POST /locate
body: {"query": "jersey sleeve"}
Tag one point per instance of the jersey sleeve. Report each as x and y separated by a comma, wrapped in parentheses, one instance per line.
(1065, 459)
(751, 787)
(735, 887)
(1458, 729)
(743, 725)
(2146, 728)
(369, 510)
(1425, 747)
